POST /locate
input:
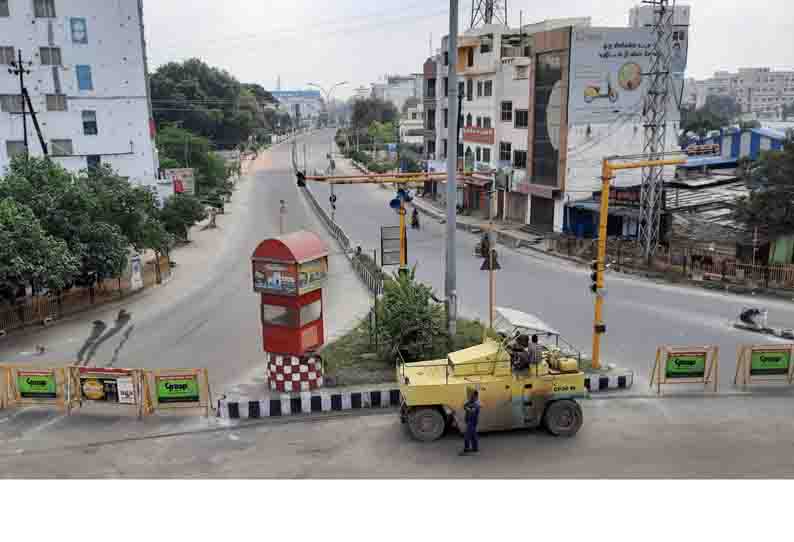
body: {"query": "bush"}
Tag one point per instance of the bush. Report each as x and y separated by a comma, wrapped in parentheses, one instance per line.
(412, 322)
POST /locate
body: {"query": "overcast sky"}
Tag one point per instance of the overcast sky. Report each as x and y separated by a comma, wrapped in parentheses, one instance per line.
(361, 40)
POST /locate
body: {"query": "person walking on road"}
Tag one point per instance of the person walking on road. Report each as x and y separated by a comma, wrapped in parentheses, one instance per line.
(471, 442)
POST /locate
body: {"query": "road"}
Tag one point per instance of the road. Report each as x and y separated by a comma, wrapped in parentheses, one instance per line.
(208, 316)
(640, 314)
(724, 437)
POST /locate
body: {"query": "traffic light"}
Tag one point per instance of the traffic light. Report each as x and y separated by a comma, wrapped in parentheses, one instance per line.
(301, 179)
(595, 276)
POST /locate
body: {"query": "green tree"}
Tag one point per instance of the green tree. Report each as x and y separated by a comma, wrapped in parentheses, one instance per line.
(770, 205)
(412, 321)
(69, 208)
(180, 148)
(180, 213)
(28, 255)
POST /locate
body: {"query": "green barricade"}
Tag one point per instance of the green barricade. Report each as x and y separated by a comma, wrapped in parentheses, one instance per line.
(765, 364)
(686, 365)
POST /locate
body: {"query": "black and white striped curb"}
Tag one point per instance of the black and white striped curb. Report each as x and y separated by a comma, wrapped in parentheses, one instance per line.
(327, 401)
(308, 403)
(596, 383)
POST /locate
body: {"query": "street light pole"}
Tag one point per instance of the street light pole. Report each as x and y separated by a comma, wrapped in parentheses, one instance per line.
(450, 279)
(328, 94)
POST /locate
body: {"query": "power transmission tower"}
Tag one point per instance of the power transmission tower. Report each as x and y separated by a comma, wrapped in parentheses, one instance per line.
(488, 12)
(657, 101)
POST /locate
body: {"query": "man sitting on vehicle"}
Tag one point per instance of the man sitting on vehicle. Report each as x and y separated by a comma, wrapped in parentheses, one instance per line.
(535, 351)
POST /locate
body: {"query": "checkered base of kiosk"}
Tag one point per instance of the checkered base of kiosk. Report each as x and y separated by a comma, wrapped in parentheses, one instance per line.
(292, 373)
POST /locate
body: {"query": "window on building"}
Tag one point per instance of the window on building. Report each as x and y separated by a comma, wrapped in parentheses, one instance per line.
(446, 118)
(430, 148)
(44, 8)
(89, 123)
(469, 120)
(61, 147)
(445, 148)
(469, 90)
(460, 150)
(430, 88)
(486, 43)
(446, 86)
(84, 79)
(446, 58)
(50, 56)
(275, 315)
(461, 88)
(486, 122)
(479, 88)
(505, 150)
(311, 313)
(507, 111)
(478, 154)
(470, 57)
(7, 55)
(56, 102)
(520, 159)
(430, 120)
(93, 161)
(486, 155)
(522, 118)
(413, 116)
(15, 148)
(479, 122)
(488, 91)
(4, 9)
(10, 103)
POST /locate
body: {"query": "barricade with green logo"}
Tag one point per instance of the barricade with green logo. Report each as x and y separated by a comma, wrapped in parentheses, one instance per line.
(31, 385)
(686, 365)
(765, 364)
(180, 389)
(109, 386)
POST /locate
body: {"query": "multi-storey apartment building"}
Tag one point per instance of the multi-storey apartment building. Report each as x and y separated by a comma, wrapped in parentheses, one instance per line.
(87, 83)
(762, 91)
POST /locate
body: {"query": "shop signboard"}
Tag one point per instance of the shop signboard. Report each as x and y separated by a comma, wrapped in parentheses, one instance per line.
(275, 278)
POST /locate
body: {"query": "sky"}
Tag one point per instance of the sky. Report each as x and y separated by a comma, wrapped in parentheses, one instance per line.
(360, 41)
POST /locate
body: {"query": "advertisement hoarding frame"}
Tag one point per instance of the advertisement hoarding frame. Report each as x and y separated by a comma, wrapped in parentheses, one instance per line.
(11, 395)
(744, 371)
(710, 378)
(202, 378)
(141, 401)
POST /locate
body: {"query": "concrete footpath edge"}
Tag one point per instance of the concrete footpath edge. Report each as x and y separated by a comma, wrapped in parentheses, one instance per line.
(309, 403)
(337, 401)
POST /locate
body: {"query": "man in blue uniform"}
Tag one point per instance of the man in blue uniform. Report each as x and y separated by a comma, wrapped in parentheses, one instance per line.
(472, 417)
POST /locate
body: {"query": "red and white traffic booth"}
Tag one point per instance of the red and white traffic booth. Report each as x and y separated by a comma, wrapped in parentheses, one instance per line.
(289, 274)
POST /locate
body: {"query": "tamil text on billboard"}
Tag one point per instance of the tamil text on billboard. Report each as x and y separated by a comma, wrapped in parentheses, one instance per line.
(609, 68)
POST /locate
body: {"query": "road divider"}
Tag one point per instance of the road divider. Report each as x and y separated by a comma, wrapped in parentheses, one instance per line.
(686, 365)
(309, 403)
(764, 364)
(138, 390)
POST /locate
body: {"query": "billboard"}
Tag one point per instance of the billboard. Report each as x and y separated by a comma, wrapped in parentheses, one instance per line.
(275, 278)
(312, 275)
(184, 180)
(609, 68)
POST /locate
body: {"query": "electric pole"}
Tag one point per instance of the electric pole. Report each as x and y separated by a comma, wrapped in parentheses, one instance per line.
(18, 68)
(450, 282)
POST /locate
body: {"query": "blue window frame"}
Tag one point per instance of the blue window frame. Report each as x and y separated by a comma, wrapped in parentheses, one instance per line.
(84, 80)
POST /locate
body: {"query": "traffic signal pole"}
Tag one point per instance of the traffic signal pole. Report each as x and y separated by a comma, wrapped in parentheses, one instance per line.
(608, 169)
